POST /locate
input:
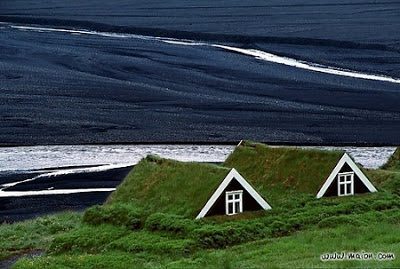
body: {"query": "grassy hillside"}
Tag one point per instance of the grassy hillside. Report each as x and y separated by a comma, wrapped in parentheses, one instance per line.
(279, 172)
(394, 161)
(303, 249)
(300, 250)
(162, 185)
(23, 237)
(388, 180)
(295, 235)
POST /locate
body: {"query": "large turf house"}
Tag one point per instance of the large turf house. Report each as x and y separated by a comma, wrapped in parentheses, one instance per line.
(188, 188)
(290, 170)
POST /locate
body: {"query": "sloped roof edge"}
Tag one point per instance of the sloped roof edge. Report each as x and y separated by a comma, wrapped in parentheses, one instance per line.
(233, 174)
(346, 159)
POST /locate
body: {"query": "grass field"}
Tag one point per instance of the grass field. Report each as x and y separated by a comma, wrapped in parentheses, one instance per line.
(23, 237)
(295, 235)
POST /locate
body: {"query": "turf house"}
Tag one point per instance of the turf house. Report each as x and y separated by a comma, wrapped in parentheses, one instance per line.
(190, 189)
(319, 172)
(234, 195)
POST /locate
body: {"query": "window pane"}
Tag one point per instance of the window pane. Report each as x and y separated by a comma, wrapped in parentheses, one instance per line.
(237, 207)
(342, 189)
(230, 208)
(230, 197)
(348, 185)
(237, 196)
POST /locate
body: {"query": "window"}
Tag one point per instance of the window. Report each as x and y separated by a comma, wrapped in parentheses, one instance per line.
(345, 184)
(233, 201)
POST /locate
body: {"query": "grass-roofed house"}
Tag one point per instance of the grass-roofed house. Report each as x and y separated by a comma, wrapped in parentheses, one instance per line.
(290, 171)
(187, 188)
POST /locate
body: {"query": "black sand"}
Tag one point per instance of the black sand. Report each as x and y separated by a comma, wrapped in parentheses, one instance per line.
(21, 208)
(58, 88)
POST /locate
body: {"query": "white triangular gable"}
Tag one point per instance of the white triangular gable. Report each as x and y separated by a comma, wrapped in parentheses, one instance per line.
(345, 160)
(233, 174)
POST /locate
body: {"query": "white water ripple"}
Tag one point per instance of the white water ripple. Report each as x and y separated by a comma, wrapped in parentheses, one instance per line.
(269, 57)
(262, 55)
(52, 192)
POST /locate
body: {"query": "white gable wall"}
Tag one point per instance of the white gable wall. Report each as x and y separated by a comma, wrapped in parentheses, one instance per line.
(233, 174)
(345, 160)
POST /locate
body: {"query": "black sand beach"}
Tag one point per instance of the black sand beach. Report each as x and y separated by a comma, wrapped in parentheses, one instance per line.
(63, 88)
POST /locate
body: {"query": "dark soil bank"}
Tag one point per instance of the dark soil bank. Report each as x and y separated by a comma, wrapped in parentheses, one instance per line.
(62, 88)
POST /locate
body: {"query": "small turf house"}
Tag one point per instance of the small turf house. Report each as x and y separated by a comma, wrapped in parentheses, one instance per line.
(234, 195)
(190, 189)
(290, 170)
(346, 179)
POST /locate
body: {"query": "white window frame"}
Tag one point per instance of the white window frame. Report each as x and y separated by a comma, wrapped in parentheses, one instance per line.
(233, 201)
(346, 180)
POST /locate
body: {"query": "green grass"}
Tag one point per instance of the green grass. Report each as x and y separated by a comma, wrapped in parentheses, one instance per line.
(292, 235)
(115, 260)
(385, 179)
(87, 239)
(303, 249)
(394, 161)
(279, 173)
(23, 237)
(162, 185)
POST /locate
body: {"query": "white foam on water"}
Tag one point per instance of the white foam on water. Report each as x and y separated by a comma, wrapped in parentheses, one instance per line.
(35, 158)
(262, 55)
(66, 172)
(86, 32)
(52, 192)
(12, 184)
(184, 43)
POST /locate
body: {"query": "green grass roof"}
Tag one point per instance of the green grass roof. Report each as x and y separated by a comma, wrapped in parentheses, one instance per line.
(279, 172)
(385, 180)
(163, 185)
(394, 161)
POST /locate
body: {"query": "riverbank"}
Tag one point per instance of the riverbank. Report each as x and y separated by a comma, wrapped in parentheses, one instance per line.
(14, 209)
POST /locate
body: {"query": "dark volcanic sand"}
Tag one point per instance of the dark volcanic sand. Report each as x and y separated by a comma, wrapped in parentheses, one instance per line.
(58, 88)
(21, 208)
